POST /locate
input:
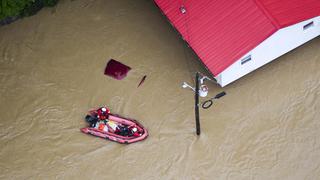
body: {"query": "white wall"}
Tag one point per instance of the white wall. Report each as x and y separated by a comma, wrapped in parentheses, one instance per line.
(281, 42)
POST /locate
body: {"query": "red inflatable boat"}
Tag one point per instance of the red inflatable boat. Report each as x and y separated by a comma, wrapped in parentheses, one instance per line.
(114, 127)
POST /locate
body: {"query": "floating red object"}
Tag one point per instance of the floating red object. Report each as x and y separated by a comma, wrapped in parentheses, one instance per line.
(116, 69)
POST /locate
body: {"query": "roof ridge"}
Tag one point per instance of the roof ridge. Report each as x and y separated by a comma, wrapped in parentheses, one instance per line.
(267, 13)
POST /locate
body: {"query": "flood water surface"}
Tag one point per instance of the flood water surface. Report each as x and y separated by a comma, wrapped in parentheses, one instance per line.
(52, 72)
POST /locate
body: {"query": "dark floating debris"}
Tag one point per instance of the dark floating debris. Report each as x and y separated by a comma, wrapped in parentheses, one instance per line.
(142, 80)
(116, 69)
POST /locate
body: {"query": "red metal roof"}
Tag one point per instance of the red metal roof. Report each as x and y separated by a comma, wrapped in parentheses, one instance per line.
(221, 32)
(289, 12)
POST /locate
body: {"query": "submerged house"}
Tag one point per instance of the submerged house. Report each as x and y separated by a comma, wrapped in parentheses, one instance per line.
(234, 37)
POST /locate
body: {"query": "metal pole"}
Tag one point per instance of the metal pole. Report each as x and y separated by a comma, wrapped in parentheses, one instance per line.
(196, 107)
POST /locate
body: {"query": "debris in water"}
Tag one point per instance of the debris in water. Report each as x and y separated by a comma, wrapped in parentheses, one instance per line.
(116, 69)
(142, 80)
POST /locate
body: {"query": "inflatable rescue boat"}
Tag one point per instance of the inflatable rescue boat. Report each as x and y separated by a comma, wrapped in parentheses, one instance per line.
(114, 127)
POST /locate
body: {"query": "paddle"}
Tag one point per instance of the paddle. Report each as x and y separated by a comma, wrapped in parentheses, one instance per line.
(206, 104)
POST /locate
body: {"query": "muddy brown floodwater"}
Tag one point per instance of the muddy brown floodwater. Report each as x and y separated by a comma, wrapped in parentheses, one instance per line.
(51, 73)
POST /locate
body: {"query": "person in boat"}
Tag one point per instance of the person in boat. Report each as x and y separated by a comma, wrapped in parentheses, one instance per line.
(103, 124)
(123, 130)
(100, 119)
(127, 131)
(107, 125)
(92, 120)
(103, 113)
(113, 126)
(135, 132)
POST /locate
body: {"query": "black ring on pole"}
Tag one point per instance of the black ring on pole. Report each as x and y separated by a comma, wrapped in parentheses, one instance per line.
(207, 104)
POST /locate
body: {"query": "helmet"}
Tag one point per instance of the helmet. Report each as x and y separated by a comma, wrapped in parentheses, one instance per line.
(134, 129)
(104, 109)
